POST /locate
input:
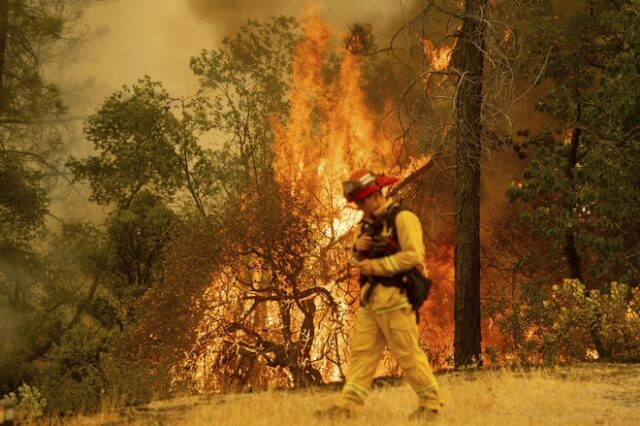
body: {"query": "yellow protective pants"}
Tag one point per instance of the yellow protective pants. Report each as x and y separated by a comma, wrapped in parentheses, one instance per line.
(388, 319)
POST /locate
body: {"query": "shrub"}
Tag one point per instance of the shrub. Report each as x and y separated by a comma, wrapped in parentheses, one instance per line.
(72, 378)
(569, 315)
(129, 381)
(587, 325)
(569, 323)
(29, 403)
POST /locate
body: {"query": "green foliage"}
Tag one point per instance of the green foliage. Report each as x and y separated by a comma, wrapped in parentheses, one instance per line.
(128, 381)
(248, 80)
(32, 27)
(69, 305)
(137, 240)
(569, 323)
(575, 318)
(85, 372)
(35, 295)
(581, 186)
(50, 288)
(27, 145)
(34, 34)
(142, 144)
(23, 201)
(29, 403)
(72, 378)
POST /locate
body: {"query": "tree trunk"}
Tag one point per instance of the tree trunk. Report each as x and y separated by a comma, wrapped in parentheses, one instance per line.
(4, 34)
(574, 261)
(469, 60)
(570, 251)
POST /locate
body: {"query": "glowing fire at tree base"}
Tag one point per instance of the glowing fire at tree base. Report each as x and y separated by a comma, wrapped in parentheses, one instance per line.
(281, 313)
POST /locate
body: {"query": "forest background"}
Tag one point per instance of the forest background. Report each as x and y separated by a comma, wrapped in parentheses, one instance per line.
(215, 258)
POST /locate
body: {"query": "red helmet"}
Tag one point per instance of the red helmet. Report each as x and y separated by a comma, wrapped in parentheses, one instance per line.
(363, 183)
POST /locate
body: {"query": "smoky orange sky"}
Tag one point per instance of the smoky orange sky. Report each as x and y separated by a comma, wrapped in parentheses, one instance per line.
(157, 37)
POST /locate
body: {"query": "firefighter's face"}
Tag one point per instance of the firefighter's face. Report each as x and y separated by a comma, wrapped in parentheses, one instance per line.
(369, 204)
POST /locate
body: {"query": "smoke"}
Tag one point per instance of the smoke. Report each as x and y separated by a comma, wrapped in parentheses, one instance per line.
(118, 43)
(226, 17)
(9, 326)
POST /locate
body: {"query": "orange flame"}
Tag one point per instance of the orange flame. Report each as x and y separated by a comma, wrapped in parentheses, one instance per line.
(330, 131)
(438, 57)
(437, 313)
(507, 35)
(568, 136)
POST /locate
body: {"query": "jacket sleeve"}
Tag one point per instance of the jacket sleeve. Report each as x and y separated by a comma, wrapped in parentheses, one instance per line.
(409, 232)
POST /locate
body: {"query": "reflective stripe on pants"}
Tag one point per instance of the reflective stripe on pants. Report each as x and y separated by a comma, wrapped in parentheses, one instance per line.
(396, 328)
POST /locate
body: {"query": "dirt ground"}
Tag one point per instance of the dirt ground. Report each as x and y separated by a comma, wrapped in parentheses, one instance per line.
(585, 394)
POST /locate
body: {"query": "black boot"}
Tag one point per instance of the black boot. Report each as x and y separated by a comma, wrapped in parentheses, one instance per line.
(424, 414)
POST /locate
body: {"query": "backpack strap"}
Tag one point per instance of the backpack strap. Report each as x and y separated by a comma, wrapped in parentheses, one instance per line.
(390, 219)
(417, 286)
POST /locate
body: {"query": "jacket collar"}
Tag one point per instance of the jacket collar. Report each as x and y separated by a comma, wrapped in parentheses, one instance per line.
(383, 208)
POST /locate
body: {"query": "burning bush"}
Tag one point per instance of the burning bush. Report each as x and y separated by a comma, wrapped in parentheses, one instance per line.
(264, 306)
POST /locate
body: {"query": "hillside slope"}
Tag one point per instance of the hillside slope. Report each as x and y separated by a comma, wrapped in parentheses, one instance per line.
(586, 394)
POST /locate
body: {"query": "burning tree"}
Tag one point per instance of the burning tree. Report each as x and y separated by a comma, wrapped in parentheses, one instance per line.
(291, 120)
(266, 304)
(279, 309)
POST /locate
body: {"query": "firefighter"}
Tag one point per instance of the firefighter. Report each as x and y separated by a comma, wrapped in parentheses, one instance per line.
(385, 315)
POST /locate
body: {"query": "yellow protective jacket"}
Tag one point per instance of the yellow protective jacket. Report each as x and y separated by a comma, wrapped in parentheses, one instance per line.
(411, 253)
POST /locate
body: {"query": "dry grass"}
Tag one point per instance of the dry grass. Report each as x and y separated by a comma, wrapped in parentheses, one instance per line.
(592, 394)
